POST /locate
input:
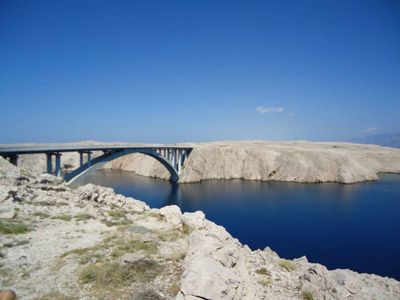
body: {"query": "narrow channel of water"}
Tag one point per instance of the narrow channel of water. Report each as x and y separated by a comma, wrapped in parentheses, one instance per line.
(354, 226)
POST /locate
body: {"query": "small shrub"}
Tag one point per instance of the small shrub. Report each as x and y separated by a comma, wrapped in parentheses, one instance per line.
(10, 227)
(263, 271)
(78, 251)
(41, 215)
(83, 217)
(114, 274)
(186, 229)
(123, 246)
(265, 282)
(287, 265)
(81, 205)
(54, 296)
(307, 295)
(117, 214)
(63, 217)
(120, 222)
(16, 243)
(173, 289)
(169, 236)
(47, 203)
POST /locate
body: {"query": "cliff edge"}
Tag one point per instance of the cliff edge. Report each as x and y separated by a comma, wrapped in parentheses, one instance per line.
(59, 242)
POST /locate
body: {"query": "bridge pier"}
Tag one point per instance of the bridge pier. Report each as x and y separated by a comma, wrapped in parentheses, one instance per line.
(49, 163)
(49, 158)
(58, 164)
(180, 163)
(88, 158)
(80, 159)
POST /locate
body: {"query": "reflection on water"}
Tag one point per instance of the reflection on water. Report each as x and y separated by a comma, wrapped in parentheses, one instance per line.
(352, 226)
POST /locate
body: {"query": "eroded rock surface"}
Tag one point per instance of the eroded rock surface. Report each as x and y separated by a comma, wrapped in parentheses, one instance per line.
(59, 242)
(258, 160)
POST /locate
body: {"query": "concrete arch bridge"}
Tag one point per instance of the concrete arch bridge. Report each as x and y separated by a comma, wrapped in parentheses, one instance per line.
(171, 157)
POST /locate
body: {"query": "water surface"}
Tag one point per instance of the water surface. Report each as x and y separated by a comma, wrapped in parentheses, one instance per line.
(355, 226)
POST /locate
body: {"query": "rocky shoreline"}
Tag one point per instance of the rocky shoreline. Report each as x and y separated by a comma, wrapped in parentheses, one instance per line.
(258, 160)
(59, 242)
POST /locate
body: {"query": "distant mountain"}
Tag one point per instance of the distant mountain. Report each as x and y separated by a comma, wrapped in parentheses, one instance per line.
(388, 140)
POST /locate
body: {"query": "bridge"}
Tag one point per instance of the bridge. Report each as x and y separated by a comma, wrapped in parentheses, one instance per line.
(171, 157)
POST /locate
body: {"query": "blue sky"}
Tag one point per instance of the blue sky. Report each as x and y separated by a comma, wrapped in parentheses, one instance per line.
(176, 71)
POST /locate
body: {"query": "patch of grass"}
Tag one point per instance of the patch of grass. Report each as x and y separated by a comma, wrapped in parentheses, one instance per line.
(186, 229)
(113, 245)
(173, 289)
(47, 203)
(117, 214)
(307, 295)
(26, 275)
(263, 271)
(265, 282)
(287, 265)
(81, 204)
(63, 217)
(85, 254)
(6, 276)
(152, 214)
(16, 212)
(83, 217)
(122, 246)
(112, 274)
(41, 215)
(54, 296)
(12, 227)
(118, 217)
(78, 251)
(120, 222)
(147, 294)
(169, 236)
(85, 258)
(16, 243)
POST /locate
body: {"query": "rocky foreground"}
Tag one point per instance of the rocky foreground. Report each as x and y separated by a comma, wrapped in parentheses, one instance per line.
(58, 242)
(259, 160)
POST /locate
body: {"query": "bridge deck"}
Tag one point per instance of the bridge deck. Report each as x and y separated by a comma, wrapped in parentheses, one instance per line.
(6, 151)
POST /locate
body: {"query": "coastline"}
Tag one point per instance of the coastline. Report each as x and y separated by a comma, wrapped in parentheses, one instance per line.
(188, 256)
(296, 161)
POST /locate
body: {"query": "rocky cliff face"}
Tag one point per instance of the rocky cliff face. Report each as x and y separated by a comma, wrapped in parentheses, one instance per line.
(258, 160)
(90, 243)
(284, 161)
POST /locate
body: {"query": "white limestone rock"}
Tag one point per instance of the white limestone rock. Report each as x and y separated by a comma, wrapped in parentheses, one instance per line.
(208, 263)
(195, 220)
(298, 161)
(172, 215)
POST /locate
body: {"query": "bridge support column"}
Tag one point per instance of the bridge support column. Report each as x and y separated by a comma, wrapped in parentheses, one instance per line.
(80, 159)
(58, 164)
(179, 161)
(49, 163)
(174, 158)
(89, 158)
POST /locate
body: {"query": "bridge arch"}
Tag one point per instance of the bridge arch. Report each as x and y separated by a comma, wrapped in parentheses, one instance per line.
(111, 155)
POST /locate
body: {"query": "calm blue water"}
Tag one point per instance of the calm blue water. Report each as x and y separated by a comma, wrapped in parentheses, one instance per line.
(353, 226)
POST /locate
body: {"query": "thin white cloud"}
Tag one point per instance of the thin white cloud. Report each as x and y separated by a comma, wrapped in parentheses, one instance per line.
(291, 114)
(267, 110)
(369, 130)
